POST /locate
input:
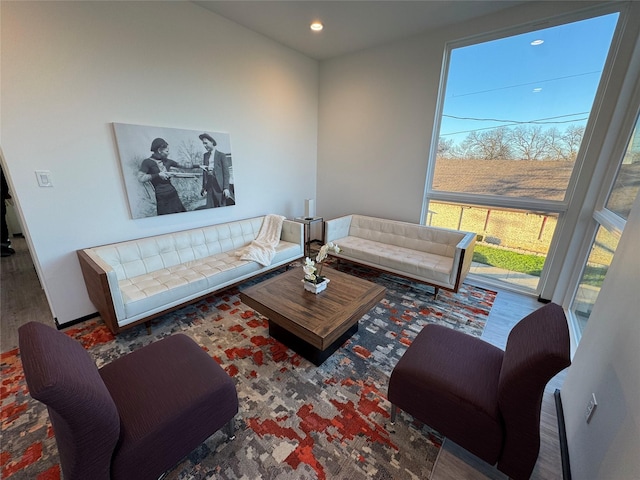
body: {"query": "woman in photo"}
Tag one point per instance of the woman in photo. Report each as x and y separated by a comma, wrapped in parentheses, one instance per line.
(156, 169)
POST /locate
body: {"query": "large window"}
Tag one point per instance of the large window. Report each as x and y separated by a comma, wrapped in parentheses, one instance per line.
(514, 112)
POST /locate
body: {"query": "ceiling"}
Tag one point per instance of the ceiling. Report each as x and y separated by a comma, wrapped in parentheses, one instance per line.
(349, 26)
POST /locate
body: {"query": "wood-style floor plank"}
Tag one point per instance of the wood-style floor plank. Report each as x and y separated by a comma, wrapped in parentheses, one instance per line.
(23, 299)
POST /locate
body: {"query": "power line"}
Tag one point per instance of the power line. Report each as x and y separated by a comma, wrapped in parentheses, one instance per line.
(540, 121)
(525, 84)
(508, 125)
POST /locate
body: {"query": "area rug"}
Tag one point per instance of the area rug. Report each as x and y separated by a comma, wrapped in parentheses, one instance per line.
(296, 420)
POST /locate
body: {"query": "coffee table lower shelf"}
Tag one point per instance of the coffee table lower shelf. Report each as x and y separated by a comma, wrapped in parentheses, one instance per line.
(305, 349)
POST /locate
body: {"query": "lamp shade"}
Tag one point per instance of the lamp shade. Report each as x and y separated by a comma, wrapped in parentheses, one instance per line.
(309, 208)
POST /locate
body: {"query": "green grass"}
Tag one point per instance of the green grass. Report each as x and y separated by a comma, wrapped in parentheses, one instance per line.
(513, 261)
(529, 264)
(594, 275)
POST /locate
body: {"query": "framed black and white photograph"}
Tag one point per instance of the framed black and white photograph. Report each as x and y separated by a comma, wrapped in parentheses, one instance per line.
(172, 170)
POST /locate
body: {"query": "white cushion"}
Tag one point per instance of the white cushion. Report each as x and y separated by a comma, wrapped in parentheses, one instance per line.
(426, 253)
(436, 268)
(412, 236)
(184, 280)
(190, 279)
(137, 257)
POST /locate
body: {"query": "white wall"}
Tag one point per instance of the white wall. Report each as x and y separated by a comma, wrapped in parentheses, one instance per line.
(70, 69)
(376, 110)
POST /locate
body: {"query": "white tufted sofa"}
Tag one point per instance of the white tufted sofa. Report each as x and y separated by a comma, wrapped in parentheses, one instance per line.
(131, 282)
(436, 256)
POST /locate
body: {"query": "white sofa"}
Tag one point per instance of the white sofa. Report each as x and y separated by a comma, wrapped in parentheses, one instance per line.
(435, 256)
(134, 281)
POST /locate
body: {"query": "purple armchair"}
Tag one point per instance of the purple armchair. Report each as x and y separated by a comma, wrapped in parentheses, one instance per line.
(484, 399)
(134, 418)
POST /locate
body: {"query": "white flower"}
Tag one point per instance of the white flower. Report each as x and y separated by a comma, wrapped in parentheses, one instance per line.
(322, 254)
(325, 249)
(309, 270)
(313, 270)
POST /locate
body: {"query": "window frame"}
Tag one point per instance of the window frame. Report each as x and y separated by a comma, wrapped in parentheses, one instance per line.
(565, 227)
(618, 141)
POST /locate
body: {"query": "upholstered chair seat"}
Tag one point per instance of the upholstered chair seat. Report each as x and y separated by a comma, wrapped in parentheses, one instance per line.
(484, 399)
(134, 418)
(461, 393)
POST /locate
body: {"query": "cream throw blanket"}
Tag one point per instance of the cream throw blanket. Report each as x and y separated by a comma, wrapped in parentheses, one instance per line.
(262, 249)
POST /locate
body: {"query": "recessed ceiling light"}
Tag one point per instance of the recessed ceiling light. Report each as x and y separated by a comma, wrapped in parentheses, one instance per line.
(537, 89)
(537, 42)
(316, 26)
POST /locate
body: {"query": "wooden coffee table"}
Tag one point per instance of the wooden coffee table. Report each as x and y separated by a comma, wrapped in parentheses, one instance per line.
(314, 326)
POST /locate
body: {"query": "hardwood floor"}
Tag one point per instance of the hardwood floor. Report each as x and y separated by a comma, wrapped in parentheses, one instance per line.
(24, 300)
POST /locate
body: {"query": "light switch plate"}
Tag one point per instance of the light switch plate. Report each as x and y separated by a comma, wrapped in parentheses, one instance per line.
(44, 178)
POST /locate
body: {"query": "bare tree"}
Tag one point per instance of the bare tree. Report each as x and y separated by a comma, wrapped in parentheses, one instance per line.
(572, 139)
(519, 143)
(469, 147)
(190, 152)
(556, 144)
(445, 147)
(530, 142)
(489, 145)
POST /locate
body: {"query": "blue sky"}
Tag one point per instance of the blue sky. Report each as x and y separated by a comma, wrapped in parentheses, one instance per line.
(510, 79)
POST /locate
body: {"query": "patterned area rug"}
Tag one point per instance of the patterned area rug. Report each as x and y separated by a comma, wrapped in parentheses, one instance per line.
(296, 421)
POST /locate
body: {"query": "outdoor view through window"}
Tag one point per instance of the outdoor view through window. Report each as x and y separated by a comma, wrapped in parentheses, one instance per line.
(514, 112)
(623, 194)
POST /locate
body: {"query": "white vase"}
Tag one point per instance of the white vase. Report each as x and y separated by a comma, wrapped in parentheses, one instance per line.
(315, 287)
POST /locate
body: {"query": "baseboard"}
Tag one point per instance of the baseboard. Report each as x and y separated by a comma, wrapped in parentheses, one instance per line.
(76, 321)
(562, 433)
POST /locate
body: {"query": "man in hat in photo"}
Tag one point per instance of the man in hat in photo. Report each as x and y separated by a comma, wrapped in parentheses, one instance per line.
(217, 175)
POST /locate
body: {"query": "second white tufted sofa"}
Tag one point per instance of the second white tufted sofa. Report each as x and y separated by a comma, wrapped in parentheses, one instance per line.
(436, 256)
(133, 281)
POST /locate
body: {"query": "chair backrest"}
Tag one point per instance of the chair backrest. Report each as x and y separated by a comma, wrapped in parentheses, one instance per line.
(62, 375)
(538, 347)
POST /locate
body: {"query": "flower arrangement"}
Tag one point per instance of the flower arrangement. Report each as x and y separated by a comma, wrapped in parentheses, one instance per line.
(313, 270)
